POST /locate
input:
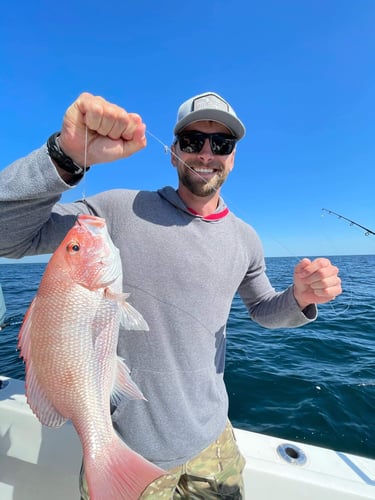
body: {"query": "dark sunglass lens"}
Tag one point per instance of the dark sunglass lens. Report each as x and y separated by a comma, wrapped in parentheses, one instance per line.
(221, 144)
(191, 143)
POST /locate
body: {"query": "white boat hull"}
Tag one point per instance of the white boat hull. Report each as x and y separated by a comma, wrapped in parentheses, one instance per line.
(38, 463)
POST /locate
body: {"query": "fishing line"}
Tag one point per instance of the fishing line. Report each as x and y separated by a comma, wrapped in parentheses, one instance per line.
(239, 211)
(167, 149)
(367, 231)
(333, 306)
(85, 167)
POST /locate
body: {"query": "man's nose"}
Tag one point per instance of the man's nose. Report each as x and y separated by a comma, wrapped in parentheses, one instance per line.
(206, 151)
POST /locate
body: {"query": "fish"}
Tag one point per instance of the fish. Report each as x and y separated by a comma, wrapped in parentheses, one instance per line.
(68, 341)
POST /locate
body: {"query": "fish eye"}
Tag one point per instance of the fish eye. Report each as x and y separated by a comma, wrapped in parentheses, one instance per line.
(73, 247)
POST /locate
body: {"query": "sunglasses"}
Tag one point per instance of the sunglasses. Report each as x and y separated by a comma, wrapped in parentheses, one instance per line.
(193, 142)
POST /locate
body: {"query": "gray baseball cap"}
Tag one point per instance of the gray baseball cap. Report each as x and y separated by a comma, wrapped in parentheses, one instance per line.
(209, 106)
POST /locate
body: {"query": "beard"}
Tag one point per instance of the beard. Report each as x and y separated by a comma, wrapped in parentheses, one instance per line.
(196, 183)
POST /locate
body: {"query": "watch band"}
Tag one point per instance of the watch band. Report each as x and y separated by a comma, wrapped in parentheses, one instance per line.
(62, 160)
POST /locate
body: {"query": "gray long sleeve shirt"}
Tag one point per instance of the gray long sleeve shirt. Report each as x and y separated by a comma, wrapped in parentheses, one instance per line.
(182, 272)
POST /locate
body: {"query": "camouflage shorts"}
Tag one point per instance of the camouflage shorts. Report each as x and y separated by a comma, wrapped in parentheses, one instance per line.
(216, 473)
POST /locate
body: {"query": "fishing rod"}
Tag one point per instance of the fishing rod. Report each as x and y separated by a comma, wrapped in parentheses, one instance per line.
(352, 222)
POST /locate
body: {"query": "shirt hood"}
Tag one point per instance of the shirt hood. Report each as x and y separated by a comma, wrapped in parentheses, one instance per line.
(172, 196)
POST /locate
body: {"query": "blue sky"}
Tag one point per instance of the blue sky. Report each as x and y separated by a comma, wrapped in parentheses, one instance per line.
(300, 74)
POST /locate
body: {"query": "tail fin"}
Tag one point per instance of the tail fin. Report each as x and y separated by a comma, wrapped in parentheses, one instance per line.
(119, 473)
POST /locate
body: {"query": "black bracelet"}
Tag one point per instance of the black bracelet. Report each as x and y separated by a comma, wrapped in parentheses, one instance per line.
(62, 160)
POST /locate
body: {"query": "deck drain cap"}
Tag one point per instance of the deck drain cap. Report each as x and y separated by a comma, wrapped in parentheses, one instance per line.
(291, 454)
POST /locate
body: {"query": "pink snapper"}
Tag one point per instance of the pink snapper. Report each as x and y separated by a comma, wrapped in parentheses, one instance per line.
(68, 340)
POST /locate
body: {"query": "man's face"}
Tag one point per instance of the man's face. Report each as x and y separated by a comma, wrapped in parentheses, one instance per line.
(204, 172)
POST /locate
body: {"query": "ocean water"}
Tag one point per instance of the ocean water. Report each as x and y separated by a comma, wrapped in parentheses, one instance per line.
(314, 384)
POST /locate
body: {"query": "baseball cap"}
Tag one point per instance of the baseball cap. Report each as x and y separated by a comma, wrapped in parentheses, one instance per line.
(209, 106)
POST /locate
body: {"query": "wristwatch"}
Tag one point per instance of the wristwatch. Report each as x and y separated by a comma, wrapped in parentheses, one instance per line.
(62, 160)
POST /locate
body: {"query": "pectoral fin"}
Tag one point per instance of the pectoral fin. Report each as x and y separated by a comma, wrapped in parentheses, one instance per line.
(124, 385)
(130, 319)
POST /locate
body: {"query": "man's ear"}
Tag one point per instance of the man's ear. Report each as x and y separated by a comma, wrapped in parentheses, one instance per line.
(232, 162)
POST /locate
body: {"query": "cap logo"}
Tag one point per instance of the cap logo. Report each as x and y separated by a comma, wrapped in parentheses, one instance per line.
(209, 102)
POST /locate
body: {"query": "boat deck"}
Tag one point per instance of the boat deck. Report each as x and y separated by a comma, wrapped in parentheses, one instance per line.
(38, 463)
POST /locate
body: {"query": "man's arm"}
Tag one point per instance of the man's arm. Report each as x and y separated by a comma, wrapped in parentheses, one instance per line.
(31, 186)
(315, 283)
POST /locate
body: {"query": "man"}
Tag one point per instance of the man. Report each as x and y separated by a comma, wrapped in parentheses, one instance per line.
(184, 256)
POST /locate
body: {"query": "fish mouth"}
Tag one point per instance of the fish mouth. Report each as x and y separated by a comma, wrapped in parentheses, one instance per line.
(93, 223)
